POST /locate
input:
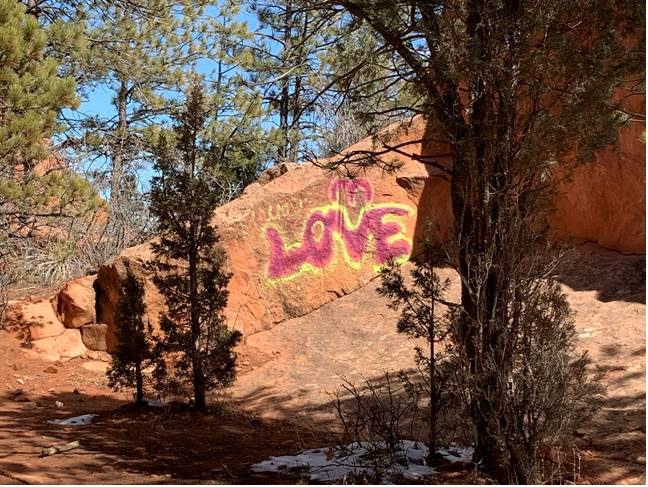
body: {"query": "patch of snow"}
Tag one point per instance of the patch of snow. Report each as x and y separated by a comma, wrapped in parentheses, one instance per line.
(333, 464)
(75, 421)
(455, 453)
(154, 403)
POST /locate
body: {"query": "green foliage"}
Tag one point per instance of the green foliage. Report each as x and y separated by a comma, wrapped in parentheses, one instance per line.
(189, 265)
(34, 201)
(420, 302)
(305, 62)
(287, 67)
(134, 348)
(547, 390)
(368, 91)
(145, 53)
(140, 52)
(31, 91)
(552, 393)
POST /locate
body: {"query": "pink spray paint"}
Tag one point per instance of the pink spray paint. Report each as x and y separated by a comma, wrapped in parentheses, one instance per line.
(317, 246)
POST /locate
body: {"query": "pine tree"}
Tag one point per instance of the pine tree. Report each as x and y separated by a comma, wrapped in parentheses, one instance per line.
(33, 93)
(421, 317)
(362, 98)
(134, 349)
(139, 51)
(189, 264)
(239, 121)
(306, 63)
(289, 41)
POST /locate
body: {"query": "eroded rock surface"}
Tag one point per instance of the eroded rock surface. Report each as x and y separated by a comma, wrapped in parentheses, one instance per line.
(67, 345)
(77, 302)
(94, 336)
(306, 238)
(40, 318)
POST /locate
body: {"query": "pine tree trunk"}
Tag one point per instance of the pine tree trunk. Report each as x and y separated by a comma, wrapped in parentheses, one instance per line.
(284, 100)
(480, 330)
(118, 149)
(196, 362)
(139, 384)
(199, 389)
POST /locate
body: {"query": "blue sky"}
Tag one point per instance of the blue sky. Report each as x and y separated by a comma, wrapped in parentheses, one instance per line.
(99, 101)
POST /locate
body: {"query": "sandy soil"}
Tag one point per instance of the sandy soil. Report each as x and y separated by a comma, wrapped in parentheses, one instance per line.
(282, 400)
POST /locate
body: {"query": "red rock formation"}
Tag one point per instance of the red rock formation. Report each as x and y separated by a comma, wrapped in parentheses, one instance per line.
(76, 302)
(301, 237)
(49, 338)
(605, 201)
(297, 242)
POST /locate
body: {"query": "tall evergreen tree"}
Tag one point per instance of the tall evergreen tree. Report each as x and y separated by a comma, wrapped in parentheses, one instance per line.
(32, 95)
(287, 44)
(306, 63)
(516, 89)
(189, 264)
(134, 349)
(33, 92)
(239, 121)
(139, 51)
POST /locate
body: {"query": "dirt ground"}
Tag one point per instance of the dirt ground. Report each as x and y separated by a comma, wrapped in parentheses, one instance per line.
(282, 400)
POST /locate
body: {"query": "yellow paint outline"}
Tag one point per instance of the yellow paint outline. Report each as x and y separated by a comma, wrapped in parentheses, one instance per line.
(338, 241)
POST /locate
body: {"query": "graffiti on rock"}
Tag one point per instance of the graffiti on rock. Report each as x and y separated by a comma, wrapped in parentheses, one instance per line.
(331, 230)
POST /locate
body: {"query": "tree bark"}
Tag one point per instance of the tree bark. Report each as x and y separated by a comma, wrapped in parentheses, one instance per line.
(118, 149)
(139, 384)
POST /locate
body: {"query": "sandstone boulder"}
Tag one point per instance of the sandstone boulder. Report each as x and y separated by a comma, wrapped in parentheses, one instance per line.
(109, 279)
(605, 201)
(77, 302)
(67, 345)
(307, 236)
(40, 318)
(94, 336)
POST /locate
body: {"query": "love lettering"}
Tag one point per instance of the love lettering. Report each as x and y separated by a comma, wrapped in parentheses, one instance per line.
(380, 223)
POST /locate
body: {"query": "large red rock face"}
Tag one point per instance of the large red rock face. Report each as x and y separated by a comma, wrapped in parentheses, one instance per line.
(307, 236)
(302, 239)
(605, 201)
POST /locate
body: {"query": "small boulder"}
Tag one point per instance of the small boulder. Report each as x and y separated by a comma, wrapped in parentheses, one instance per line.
(65, 346)
(76, 302)
(94, 336)
(40, 318)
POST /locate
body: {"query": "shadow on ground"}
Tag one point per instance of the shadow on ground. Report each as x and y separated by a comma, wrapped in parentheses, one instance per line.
(125, 444)
(174, 444)
(615, 276)
(171, 444)
(613, 444)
